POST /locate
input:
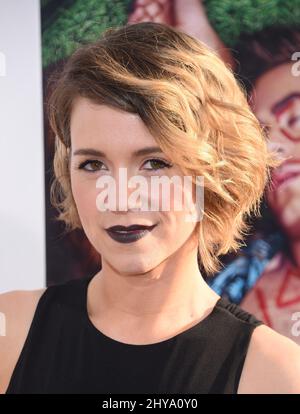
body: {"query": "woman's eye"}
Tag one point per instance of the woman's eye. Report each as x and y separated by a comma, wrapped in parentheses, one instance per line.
(90, 165)
(157, 164)
(95, 165)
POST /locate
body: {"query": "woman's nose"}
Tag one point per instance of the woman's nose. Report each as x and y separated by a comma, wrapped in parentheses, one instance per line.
(130, 193)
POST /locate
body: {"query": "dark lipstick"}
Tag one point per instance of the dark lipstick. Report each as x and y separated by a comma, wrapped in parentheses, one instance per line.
(129, 234)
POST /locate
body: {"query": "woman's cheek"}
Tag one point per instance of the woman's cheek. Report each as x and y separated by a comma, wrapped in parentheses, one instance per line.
(84, 193)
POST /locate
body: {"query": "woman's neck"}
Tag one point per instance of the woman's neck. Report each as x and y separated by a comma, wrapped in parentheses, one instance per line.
(157, 303)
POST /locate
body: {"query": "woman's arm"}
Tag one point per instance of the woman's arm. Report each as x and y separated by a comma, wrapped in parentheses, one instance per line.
(272, 364)
(17, 309)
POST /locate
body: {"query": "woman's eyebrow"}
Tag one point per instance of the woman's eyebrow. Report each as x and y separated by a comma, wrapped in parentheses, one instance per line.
(97, 153)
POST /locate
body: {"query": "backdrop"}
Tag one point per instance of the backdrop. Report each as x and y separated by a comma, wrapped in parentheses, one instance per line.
(261, 42)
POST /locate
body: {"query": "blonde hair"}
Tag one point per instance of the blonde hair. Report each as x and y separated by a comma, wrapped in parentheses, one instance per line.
(194, 108)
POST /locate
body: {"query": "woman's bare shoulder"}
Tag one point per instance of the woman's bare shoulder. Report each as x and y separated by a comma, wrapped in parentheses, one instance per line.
(16, 313)
(272, 364)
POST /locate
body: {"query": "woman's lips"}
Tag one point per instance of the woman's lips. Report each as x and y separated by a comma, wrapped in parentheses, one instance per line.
(284, 178)
(288, 170)
(129, 236)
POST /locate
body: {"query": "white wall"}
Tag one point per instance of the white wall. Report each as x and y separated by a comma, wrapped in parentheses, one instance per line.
(22, 211)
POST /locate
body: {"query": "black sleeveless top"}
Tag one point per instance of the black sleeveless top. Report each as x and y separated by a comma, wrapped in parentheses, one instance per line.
(65, 353)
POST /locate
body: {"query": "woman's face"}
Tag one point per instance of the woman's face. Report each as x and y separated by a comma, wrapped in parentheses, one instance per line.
(276, 103)
(119, 135)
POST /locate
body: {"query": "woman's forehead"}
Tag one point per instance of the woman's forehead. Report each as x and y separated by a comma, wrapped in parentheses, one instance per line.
(95, 125)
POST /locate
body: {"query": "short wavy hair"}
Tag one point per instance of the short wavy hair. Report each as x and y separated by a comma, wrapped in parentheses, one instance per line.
(195, 109)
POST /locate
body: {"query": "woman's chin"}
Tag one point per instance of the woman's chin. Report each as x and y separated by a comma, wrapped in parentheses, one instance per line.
(129, 266)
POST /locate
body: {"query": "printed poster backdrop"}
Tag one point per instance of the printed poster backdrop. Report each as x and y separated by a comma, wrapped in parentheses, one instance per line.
(261, 42)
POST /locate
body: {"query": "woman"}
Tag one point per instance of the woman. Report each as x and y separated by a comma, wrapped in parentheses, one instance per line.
(156, 103)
